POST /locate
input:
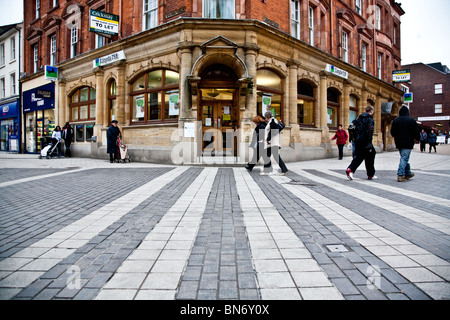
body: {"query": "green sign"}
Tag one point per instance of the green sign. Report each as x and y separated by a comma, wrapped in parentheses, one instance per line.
(51, 73)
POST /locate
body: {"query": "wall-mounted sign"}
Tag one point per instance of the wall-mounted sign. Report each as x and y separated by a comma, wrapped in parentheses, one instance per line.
(408, 97)
(401, 76)
(111, 58)
(102, 22)
(51, 73)
(336, 71)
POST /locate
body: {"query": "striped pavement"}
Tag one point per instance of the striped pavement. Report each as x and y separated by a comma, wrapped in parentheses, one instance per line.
(152, 232)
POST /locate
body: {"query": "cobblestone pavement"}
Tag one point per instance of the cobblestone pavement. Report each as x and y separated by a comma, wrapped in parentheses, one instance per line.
(86, 229)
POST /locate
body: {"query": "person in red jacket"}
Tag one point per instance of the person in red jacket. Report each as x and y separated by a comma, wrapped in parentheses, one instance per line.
(341, 138)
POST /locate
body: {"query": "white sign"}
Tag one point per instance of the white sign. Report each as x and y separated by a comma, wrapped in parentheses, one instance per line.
(336, 71)
(111, 58)
(174, 104)
(443, 118)
(401, 76)
(102, 22)
(189, 130)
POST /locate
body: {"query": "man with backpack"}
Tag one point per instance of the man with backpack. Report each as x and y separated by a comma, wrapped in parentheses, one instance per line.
(363, 128)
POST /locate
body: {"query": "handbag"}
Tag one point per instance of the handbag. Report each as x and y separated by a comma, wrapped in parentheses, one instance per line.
(280, 126)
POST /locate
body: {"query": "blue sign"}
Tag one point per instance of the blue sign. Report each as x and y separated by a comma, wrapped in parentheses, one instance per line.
(40, 98)
(9, 110)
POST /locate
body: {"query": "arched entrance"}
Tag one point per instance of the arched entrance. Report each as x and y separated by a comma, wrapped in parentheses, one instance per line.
(218, 110)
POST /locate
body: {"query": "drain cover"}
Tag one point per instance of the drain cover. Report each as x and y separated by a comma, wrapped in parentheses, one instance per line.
(337, 248)
(301, 183)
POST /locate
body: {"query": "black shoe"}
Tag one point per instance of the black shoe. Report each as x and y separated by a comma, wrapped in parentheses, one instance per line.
(248, 168)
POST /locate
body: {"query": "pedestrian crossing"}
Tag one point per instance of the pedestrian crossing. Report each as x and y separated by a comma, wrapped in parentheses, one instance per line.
(306, 240)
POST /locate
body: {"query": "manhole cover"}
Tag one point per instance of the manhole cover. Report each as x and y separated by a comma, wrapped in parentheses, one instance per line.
(337, 248)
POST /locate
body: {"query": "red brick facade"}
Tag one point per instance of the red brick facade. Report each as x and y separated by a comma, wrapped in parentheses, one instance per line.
(329, 19)
(425, 85)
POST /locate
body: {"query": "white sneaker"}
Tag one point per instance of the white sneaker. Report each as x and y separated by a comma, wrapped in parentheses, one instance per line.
(372, 178)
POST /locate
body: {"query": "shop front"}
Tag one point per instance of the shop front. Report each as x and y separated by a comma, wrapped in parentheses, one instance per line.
(39, 116)
(9, 124)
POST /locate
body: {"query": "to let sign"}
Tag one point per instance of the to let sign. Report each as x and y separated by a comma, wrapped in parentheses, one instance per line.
(401, 76)
(102, 22)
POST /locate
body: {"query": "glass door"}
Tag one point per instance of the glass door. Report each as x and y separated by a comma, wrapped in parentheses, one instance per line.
(218, 128)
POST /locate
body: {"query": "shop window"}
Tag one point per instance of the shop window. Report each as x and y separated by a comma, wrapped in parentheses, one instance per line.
(269, 93)
(353, 114)
(112, 100)
(333, 107)
(84, 132)
(155, 97)
(82, 104)
(305, 104)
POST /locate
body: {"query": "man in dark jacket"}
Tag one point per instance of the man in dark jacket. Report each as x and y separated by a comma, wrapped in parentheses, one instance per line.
(364, 150)
(405, 132)
(111, 136)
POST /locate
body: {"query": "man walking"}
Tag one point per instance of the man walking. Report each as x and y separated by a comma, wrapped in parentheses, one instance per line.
(423, 140)
(405, 132)
(364, 150)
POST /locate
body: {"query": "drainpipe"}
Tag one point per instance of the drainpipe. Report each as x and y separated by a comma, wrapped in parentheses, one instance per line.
(20, 93)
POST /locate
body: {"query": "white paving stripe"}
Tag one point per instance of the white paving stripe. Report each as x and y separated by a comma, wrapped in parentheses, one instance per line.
(412, 194)
(419, 266)
(27, 265)
(154, 270)
(426, 218)
(43, 176)
(285, 268)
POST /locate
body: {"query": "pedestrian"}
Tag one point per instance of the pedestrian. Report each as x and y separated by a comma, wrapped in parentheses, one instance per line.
(432, 140)
(67, 135)
(56, 137)
(423, 140)
(364, 150)
(257, 143)
(405, 132)
(341, 137)
(272, 144)
(112, 135)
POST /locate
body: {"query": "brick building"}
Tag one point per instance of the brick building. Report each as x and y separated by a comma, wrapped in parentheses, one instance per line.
(430, 85)
(212, 65)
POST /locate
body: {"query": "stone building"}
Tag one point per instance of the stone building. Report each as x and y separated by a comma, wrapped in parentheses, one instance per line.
(185, 78)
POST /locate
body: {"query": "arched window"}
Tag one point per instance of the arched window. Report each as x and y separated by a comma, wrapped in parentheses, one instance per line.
(112, 100)
(155, 97)
(305, 104)
(82, 104)
(353, 114)
(333, 107)
(270, 93)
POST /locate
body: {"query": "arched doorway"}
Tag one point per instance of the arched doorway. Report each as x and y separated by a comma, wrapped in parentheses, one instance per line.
(218, 110)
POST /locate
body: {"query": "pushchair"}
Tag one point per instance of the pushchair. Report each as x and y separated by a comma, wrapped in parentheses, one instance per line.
(51, 148)
(122, 152)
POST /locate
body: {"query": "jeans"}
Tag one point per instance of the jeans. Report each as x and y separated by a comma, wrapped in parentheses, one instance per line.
(404, 168)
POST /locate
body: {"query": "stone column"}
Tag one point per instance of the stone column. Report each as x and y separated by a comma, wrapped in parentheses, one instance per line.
(292, 104)
(121, 84)
(322, 107)
(250, 60)
(100, 120)
(345, 108)
(185, 71)
(62, 103)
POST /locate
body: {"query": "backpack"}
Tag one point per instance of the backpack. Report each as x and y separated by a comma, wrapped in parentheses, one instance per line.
(357, 132)
(280, 126)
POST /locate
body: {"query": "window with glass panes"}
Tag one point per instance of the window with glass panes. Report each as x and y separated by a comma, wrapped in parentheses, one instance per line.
(82, 104)
(305, 104)
(295, 19)
(150, 18)
(154, 97)
(220, 9)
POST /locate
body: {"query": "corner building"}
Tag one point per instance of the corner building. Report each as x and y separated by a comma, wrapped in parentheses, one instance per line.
(185, 78)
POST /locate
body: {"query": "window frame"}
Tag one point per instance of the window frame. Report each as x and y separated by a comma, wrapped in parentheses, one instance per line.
(89, 102)
(345, 46)
(2, 54)
(438, 108)
(438, 90)
(295, 18)
(364, 57)
(161, 90)
(308, 99)
(36, 58)
(53, 49)
(73, 41)
(150, 14)
(311, 25)
(205, 14)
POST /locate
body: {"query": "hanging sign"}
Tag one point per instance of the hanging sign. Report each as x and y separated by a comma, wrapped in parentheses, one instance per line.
(102, 22)
(401, 76)
(51, 73)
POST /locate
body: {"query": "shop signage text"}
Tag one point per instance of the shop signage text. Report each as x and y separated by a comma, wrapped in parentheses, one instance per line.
(102, 22)
(401, 76)
(111, 58)
(336, 71)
